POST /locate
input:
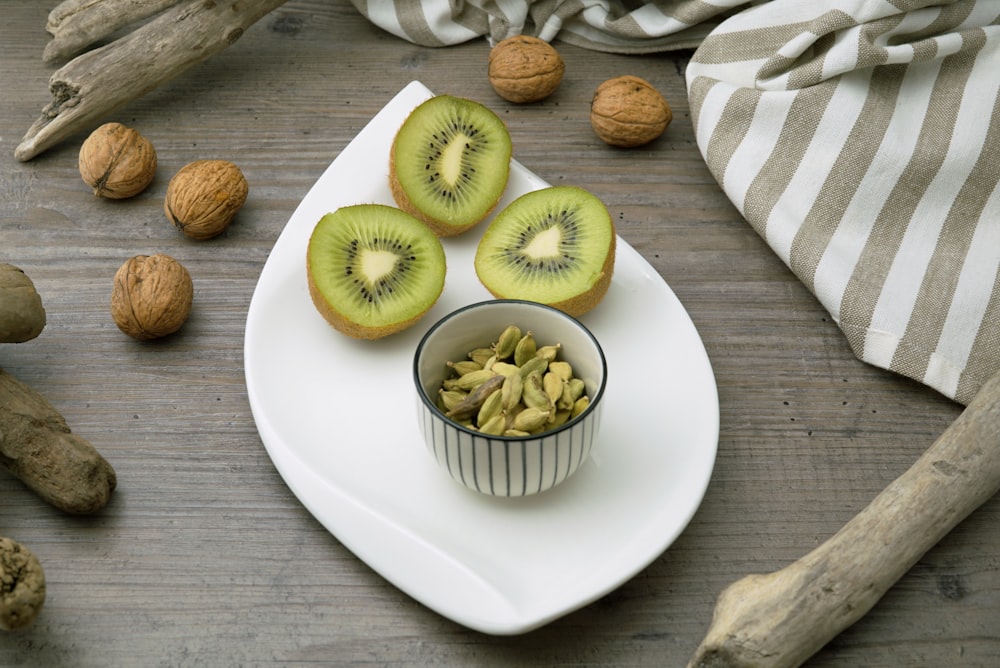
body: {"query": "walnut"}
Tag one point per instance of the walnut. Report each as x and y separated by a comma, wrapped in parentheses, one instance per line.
(117, 162)
(204, 196)
(627, 111)
(22, 585)
(152, 296)
(525, 69)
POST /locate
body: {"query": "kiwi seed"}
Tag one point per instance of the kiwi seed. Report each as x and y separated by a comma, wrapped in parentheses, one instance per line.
(554, 246)
(449, 163)
(373, 269)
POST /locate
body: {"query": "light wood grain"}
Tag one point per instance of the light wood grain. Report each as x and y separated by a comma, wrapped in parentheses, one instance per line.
(204, 557)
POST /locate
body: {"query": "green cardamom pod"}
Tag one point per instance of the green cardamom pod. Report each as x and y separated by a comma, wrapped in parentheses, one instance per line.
(530, 419)
(539, 364)
(533, 394)
(572, 390)
(448, 399)
(473, 401)
(549, 353)
(553, 384)
(579, 406)
(472, 380)
(559, 418)
(511, 390)
(491, 407)
(525, 349)
(561, 369)
(463, 367)
(505, 368)
(494, 426)
(480, 356)
(507, 342)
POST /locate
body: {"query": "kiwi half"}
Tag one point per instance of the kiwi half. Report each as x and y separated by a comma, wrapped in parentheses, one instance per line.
(555, 246)
(373, 269)
(449, 163)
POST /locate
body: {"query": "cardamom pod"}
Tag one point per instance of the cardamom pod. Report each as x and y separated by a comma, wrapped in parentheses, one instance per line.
(579, 406)
(470, 381)
(558, 419)
(494, 426)
(553, 384)
(530, 419)
(511, 390)
(525, 349)
(471, 404)
(450, 398)
(572, 390)
(539, 364)
(549, 353)
(490, 408)
(481, 355)
(533, 394)
(463, 367)
(507, 342)
(561, 369)
(505, 368)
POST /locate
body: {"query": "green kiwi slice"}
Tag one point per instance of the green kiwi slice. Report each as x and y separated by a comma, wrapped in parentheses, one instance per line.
(555, 246)
(449, 163)
(373, 269)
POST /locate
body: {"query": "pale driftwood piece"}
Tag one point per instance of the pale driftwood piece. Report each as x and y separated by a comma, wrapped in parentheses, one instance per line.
(94, 84)
(38, 447)
(76, 25)
(782, 618)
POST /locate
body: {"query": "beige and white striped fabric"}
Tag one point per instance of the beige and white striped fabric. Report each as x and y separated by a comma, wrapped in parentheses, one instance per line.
(860, 139)
(620, 26)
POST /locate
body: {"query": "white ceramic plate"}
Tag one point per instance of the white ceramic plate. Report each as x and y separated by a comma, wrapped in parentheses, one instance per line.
(338, 419)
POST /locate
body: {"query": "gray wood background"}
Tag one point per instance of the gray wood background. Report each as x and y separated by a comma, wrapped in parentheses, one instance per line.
(204, 556)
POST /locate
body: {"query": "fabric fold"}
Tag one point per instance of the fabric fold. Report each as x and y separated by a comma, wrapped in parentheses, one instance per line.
(619, 26)
(859, 139)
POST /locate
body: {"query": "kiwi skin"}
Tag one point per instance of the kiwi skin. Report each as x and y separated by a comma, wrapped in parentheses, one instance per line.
(584, 301)
(442, 228)
(349, 327)
(346, 325)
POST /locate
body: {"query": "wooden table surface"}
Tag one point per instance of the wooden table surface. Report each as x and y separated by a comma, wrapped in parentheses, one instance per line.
(205, 557)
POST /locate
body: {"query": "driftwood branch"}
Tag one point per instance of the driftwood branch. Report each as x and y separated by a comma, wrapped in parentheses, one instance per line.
(94, 84)
(76, 25)
(37, 446)
(783, 618)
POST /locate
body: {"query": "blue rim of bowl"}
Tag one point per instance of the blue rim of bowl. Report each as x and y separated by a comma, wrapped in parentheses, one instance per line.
(566, 425)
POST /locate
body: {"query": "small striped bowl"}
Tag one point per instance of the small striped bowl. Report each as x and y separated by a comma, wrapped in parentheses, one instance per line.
(507, 465)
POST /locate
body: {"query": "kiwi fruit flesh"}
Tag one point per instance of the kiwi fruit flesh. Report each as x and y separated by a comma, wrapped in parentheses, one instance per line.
(449, 163)
(554, 246)
(373, 270)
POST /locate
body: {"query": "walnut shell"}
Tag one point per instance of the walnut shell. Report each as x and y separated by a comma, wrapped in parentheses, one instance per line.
(628, 111)
(117, 162)
(525, 69)
(152, 296)
(204, 196)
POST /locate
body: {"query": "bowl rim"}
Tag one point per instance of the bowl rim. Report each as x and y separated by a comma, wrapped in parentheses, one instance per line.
(432, 405)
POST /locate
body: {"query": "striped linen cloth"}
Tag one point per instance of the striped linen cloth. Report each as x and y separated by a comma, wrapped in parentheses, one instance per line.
(860, 139)
(619, 26)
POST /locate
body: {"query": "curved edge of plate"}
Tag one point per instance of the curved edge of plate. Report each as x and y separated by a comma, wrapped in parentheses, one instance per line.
(449, 587)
